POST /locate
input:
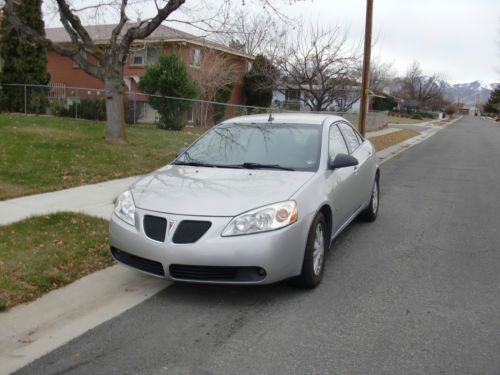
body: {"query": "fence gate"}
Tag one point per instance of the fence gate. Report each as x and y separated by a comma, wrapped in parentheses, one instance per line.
(57, 90)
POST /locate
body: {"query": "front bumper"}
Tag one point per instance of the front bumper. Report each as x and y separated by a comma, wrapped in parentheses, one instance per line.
(260, 258)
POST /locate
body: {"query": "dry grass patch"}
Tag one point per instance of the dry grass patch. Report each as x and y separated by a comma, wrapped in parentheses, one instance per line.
(46, 252)
(384, 141)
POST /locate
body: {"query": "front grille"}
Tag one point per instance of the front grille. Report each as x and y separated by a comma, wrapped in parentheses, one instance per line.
(216, 273)
(142, 264)
(155, 227)
(190, 231)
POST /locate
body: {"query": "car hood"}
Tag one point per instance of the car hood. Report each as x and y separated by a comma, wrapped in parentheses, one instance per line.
(187, 190)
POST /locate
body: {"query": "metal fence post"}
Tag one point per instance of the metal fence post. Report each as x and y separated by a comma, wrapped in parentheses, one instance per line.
(25, 101)
(135, 103)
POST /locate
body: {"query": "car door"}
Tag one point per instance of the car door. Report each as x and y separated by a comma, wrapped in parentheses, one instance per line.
(340, 181)
(362, 172)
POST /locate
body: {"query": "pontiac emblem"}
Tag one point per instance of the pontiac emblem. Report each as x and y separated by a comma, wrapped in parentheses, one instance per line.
(171, 225)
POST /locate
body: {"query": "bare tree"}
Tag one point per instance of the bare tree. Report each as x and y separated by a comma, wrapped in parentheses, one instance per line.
(254, 33)
(381, 75)
(317, 62)
(419, 90)
(217, 74)
(108, 60)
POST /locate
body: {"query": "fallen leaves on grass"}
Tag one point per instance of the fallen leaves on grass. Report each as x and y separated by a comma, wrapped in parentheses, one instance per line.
(46, 252)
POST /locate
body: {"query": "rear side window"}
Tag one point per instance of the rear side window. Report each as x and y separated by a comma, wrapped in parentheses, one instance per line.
(350, 136)
(336, 143)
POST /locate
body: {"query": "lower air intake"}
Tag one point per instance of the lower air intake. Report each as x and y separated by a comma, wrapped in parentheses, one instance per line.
(217, 273)
(143, 264)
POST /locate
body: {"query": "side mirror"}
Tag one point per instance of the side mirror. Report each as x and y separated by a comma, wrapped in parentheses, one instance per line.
(343, 161)
(180, 152)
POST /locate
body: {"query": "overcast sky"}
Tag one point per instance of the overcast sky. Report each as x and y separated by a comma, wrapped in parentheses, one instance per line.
(458, 39)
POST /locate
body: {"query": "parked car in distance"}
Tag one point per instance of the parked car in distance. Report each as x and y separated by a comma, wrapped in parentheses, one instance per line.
(255, 200)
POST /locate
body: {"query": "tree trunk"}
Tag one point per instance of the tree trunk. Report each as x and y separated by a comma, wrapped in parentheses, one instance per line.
(115, 113)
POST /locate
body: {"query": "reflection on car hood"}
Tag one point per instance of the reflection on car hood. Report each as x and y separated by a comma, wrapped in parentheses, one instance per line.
(187, 190)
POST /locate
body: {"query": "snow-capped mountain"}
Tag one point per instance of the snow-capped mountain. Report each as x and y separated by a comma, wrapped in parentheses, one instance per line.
(470, 93)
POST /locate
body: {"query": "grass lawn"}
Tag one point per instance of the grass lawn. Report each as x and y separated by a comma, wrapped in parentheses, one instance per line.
(388, 140)
(404, 120)
(46, 252)
(43, 153)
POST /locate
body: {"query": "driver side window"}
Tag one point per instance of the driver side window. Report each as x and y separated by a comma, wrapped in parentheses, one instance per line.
(336, 142)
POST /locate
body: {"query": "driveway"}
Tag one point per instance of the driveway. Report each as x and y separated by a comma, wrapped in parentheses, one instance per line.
(418, 291)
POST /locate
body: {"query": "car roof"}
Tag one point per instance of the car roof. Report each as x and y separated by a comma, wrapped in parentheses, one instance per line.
(290, 118)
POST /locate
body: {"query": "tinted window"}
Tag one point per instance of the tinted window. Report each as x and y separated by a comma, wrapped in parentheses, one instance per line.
(336, 144)
(350, 136)
(293, 146)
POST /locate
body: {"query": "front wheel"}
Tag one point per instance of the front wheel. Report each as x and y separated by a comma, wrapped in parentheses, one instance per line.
(370, 212)
(313, 265)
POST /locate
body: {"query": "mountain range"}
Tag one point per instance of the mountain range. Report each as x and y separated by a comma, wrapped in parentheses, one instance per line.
(470, 93)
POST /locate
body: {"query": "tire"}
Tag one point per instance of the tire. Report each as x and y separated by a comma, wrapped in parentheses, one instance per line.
(370, 213)
(313, 265)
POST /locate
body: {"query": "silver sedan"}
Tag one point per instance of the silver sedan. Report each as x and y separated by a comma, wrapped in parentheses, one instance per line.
(255, 200)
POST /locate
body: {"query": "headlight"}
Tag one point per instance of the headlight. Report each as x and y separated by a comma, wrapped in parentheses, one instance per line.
(125, 207)
(263, 219)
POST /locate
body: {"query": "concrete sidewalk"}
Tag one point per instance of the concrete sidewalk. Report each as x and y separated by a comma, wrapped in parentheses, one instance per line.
(95, 200)
(381, 132)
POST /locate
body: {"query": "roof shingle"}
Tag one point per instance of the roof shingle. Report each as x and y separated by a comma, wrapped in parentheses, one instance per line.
(101, 34)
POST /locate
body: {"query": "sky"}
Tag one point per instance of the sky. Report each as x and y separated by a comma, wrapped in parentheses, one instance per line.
(457, 39)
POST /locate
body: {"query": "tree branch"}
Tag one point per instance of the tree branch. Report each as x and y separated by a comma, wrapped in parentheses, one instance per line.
(118, 28)
(143, 31)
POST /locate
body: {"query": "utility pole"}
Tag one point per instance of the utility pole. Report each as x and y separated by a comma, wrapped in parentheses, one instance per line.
(366, 67)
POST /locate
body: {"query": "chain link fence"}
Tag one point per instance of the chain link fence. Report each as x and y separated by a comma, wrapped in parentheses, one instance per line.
(89, 103)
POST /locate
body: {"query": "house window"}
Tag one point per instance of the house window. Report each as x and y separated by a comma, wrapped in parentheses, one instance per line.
(195, 57)
(249, 66)
(137, 58)
(292, 95)
(153, 54)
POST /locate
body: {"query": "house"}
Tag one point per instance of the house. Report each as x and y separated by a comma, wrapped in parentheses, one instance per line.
(67, 76)
(292, 97)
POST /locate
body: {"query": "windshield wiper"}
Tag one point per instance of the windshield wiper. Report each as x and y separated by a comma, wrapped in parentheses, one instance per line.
(195, 164)
(208, 165)
(246, 165)
(249, 165)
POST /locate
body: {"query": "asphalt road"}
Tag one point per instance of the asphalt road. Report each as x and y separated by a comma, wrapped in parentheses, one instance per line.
(416, 292)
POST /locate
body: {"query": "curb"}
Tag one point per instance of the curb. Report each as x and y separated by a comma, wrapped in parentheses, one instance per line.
(388, 153)
(31, 330)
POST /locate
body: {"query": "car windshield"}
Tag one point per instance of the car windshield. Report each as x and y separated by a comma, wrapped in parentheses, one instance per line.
(257, 146)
